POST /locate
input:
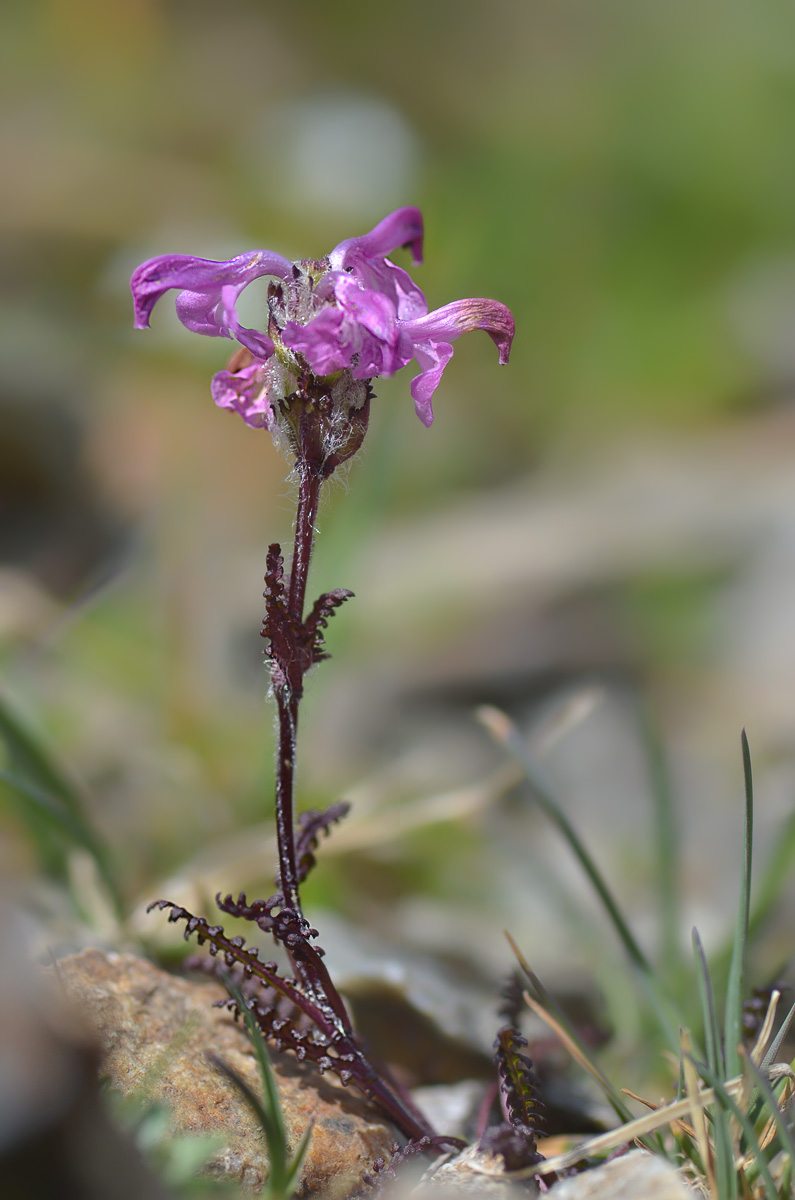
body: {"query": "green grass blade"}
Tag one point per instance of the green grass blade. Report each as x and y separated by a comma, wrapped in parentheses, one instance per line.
(272, 1120)
(261, 1109)
(294, 1170)
(735, 988)
(708, 1013)
(283, 1174)
(47, 809)
(724, 1158)
(729, 1105)
(49, 803)
(507, 733)
(32, 761)
(771, 881)
(775, 1045)
(28, 768)
(666, 842)
(763, 1083)
(547, 1001)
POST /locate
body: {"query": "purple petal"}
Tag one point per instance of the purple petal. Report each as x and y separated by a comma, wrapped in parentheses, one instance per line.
(364, 259)
(431, 336)
(244, 392)
(449, 322)
(432, 358)
(371, 309)
(199, 277)
(258, 343)
(215, 315)
(324, 342)
(401, 228)
(362, 332)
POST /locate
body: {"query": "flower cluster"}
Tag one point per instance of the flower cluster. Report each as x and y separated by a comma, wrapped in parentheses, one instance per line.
(344, 319)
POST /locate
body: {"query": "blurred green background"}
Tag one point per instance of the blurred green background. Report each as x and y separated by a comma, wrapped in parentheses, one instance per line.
(613, 506)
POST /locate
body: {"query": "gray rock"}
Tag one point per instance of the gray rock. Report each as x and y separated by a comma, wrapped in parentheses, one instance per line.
(635, 1176)
(473, 1173)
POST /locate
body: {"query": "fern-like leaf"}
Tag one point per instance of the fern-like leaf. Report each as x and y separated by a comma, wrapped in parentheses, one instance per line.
(259, 911)
(317, 621)
(285, 1008)
(235, 953)
(312, 825)
(518, 1081)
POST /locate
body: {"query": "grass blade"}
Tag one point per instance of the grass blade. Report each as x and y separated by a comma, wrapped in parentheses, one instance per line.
(545, 1006)
(283, 1173)
(666, 842)
(47, 809)
(763, 1083)
(294, 1169)
(724, 1157)
(504, 731)
(708, 1013)
(277, 1173)
(775, 1045)
(49, 803)
(696, 1102)
(730, 1105)
(735, 988)
(603, 1143)
(32, 761)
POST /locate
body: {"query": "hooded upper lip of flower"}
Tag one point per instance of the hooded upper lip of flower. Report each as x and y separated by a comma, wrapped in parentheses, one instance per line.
(355, 310)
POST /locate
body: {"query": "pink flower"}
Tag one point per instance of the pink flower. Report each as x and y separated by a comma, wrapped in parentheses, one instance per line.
(354, 311)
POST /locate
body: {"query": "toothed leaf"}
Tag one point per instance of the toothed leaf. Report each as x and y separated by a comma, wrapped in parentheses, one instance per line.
(518, 1081)
(312, 826)
(318, 619)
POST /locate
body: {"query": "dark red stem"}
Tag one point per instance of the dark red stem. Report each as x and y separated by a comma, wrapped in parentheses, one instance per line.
(313, 467)
(287, 700)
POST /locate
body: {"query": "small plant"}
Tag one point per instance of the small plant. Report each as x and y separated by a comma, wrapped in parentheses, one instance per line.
(333, 326)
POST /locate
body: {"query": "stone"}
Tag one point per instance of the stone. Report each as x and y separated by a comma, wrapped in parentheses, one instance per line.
(637, 1175)
(473, 1173)
(156, 1030)
(56, 1136)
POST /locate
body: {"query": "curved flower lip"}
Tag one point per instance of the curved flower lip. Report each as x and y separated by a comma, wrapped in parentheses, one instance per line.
(449, 322)
(208, 292)
(431, 336)
(401, 228)
(364, 259)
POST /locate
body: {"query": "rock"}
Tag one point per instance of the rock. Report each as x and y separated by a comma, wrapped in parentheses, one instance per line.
(635, 1176)
(453, 1107)
(56, 1138)
(156, 1030)
(473, 1173)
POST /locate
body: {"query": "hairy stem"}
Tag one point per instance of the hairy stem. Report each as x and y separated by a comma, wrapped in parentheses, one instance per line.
(287, 700)
(287, 706)
(309, 485)
(330, 1014)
